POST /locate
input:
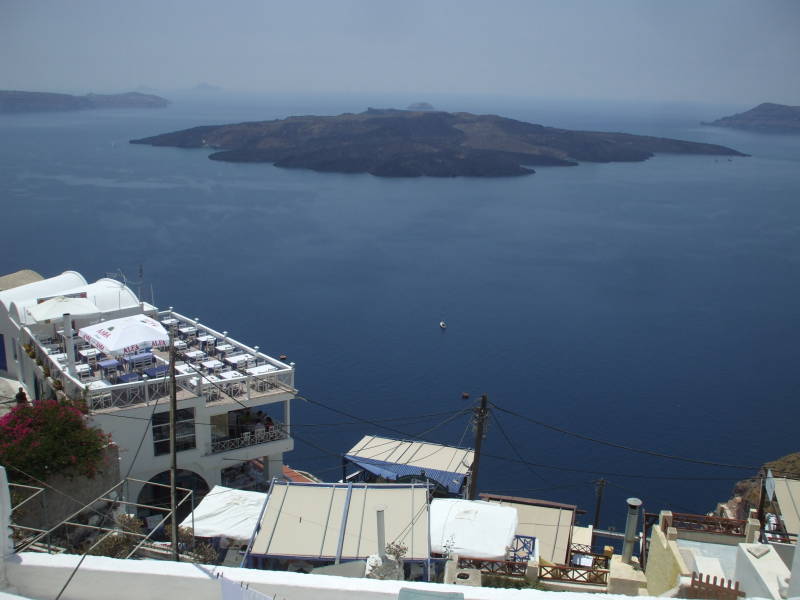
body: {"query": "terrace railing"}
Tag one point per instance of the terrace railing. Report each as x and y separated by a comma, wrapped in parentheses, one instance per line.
(571, 574)
(599, 561)
(277, 432)
(721, 589)
(494, 567)
(705, 524)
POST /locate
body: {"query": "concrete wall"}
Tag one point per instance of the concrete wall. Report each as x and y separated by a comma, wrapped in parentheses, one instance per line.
(760, 577)
(129, 425)
(626, 579)
(785, 551)
(50, 507)
(664, 562)
(42, 575)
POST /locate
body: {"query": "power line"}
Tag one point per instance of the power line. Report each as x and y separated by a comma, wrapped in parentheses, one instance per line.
(514, 448)
(622, 446)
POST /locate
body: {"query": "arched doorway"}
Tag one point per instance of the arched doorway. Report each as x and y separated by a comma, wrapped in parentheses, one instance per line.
(158, 495)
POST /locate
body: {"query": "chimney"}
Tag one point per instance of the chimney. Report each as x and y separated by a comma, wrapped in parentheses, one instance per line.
(381, 534)
(630, 529)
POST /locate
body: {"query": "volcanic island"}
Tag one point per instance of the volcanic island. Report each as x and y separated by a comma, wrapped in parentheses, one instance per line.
(402, 143)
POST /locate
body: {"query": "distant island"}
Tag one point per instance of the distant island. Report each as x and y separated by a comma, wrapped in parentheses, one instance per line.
(398, 143)
(766, 118)
(420, 106)
(13, 101)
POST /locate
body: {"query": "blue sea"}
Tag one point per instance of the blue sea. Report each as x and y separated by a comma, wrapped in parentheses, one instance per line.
(653, 304)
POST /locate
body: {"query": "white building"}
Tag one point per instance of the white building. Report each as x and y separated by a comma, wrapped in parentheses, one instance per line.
(218, 427)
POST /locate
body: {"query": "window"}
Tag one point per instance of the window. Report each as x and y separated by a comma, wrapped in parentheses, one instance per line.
(184, 431)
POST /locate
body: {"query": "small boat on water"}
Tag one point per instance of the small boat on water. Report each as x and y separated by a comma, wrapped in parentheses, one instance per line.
(442, 325)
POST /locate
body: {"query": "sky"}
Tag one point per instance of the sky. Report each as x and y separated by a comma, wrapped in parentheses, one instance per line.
(669, 50)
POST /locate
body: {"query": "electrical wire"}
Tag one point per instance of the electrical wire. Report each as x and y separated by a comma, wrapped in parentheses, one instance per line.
(514, 448)
(622, 446)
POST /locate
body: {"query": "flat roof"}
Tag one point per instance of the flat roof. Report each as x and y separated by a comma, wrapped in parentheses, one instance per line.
(308, 520)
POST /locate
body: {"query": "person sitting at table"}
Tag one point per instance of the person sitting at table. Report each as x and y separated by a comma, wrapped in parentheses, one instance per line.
(268, 423)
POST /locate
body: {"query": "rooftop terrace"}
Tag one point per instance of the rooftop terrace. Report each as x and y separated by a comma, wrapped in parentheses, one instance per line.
(209, 364)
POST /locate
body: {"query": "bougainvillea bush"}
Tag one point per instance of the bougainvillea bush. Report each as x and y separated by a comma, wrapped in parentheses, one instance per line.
(49, 437)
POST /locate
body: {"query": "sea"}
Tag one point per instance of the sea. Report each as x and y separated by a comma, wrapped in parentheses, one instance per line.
(613, 313)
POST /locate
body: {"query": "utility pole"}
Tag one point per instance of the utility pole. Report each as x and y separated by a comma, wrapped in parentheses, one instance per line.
(481, 412)
(173, 453)
(601, 485)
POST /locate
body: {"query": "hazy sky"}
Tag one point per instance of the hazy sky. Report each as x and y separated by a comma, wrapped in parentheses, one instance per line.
(714, 50)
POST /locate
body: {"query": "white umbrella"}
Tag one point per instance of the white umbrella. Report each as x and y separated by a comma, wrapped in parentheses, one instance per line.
(127, 335)
(55, 308)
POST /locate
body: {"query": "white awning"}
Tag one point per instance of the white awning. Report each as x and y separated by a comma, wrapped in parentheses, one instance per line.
(472, 528)
(227, 512)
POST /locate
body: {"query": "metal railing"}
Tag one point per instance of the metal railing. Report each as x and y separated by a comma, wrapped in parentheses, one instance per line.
(494, 567)
(276, 432)
(586, 575)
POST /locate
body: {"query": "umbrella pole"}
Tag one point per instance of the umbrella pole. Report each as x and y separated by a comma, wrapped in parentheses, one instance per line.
(173, 469)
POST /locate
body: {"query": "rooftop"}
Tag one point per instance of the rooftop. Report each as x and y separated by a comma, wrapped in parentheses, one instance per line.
(319, 521)
(210, 364)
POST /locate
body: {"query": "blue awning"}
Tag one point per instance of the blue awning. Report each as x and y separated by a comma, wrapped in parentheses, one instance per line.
(392, 471)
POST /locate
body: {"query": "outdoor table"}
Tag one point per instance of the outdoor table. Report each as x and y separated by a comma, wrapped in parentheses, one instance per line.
(184, 369)
(230, 375)
(212, 364)
(169, 321)
(180, 345)
(189, 330)
(238, 360)
(139, 360)
(109, 363)
(195, 354)
(82, 368)
(98, 384)
(206, 379)
(88, 353)
(158, 371)
(128, 377)
(261, 369)
(205, 338)
(223, 349)
(61, 357)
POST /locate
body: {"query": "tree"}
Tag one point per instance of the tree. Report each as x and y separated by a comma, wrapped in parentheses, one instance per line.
(50, 437)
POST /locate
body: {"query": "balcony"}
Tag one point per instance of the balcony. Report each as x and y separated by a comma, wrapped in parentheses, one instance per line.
(260, 436)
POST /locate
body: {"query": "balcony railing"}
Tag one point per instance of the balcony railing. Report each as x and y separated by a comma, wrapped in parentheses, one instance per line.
(494, 567)
(574, 574)
(599, 561)
(262, 436)
(705, 524)
(123, 395)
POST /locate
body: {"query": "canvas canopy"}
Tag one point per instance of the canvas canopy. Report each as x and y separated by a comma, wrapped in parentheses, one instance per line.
(227, 512)
(472, 528)
(55, 308)
(127, 335)
(394, 459)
